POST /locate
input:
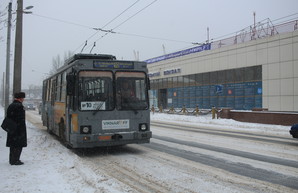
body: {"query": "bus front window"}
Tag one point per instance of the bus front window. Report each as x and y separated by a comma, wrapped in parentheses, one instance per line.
(95, 90)
(131, 91)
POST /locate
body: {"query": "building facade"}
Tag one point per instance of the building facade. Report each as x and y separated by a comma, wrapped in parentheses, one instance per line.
(260, 72)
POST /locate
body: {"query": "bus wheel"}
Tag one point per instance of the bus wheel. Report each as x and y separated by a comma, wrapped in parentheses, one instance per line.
(49, 131)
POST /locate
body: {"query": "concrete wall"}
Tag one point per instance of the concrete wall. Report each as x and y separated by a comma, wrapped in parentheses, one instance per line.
(280, 72)
(265, 117)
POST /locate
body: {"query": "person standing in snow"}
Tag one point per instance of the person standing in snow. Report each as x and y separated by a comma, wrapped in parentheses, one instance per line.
(18, 139)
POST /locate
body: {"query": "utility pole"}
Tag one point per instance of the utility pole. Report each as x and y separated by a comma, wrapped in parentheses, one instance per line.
(7, 77)
(3, 90)
(17, 75)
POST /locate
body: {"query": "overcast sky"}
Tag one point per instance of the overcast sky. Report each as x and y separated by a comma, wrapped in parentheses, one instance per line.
(59, 26)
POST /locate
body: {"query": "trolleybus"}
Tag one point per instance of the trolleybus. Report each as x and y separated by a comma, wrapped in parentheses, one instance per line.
(96, 100)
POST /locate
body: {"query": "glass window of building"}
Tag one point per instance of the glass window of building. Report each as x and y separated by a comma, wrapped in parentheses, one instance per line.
(206, 78)
(199, 79)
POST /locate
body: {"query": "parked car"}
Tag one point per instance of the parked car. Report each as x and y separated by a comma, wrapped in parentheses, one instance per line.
(29, 106)
(294, 131)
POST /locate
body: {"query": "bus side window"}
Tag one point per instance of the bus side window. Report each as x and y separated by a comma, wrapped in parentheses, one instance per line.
(71, 79)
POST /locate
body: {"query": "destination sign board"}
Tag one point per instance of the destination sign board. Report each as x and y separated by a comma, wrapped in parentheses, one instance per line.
(113, 64)
(97, 105)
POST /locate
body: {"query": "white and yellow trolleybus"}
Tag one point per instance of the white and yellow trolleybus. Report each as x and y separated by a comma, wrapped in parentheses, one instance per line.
(96, 100)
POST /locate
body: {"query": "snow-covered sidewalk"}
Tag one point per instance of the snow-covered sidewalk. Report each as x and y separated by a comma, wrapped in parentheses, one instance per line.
(49, 167)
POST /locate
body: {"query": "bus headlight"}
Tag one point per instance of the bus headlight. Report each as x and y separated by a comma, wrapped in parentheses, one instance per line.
(143, 127)
(85, 129)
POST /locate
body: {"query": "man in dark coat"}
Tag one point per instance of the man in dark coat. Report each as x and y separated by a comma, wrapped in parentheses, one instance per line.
(18, 139)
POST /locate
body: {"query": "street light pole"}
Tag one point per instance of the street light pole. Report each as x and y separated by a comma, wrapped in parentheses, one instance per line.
(7, 76)
(17, 75)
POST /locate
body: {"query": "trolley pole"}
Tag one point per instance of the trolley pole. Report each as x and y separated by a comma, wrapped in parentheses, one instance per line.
(17, 75)
(7, 76)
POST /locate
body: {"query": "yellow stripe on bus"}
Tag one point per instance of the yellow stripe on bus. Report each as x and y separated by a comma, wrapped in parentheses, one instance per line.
(59, 111)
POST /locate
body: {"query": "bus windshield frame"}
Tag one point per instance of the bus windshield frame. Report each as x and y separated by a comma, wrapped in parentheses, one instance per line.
(96, 92)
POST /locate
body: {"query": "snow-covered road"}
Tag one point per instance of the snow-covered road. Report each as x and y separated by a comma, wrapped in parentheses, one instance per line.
(186, 154)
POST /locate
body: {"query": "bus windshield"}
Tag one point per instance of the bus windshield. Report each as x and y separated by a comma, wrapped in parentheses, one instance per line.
(96, 90)
(131, 91)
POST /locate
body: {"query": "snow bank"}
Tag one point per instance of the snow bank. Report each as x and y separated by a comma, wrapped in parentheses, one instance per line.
(206, 121)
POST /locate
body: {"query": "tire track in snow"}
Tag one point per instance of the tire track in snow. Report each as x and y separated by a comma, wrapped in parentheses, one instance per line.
(236, 168)
(232, 134)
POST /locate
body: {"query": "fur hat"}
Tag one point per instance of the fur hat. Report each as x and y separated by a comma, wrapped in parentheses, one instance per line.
(19, 95)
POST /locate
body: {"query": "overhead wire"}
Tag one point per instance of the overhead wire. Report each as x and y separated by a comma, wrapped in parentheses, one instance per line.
(155, 38)
(112, 30)
(135, 35)
(108, 31)
(121, 13)
(101, 29)
(63, 21)
(285, 17)
(135, 14)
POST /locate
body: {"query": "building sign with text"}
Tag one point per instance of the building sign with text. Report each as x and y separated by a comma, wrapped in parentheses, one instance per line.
(180, 53)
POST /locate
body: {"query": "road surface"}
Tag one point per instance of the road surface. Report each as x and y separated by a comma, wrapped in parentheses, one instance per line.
(186, 158)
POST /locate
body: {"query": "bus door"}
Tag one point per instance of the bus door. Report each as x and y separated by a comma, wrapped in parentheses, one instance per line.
(69, 110)
(51, 111)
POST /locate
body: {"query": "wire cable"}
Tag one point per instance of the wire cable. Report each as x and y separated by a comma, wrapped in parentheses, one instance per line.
(127, 20)
(63, 21)
(285, 17)
(134, 15)
(155, 38)
(120, 14)
(101, 29)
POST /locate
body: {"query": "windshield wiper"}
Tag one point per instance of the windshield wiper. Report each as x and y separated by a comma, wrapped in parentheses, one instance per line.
(98, 108)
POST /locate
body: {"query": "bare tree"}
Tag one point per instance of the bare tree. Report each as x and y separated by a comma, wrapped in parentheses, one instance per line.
(34, 91)
(57, 62)
(67, 55)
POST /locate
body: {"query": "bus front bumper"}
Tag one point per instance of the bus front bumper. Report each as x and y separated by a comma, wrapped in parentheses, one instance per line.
(109, 139)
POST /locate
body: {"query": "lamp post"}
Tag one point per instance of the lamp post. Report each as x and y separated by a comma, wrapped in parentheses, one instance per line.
(7, 76)
(17, 75)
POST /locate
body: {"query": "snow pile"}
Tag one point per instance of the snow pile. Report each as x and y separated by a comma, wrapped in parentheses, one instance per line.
(206, 121)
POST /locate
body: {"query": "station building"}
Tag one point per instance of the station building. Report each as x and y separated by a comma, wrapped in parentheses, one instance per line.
(256, 68)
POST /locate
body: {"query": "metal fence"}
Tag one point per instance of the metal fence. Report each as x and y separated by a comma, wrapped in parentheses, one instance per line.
(260, 30)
